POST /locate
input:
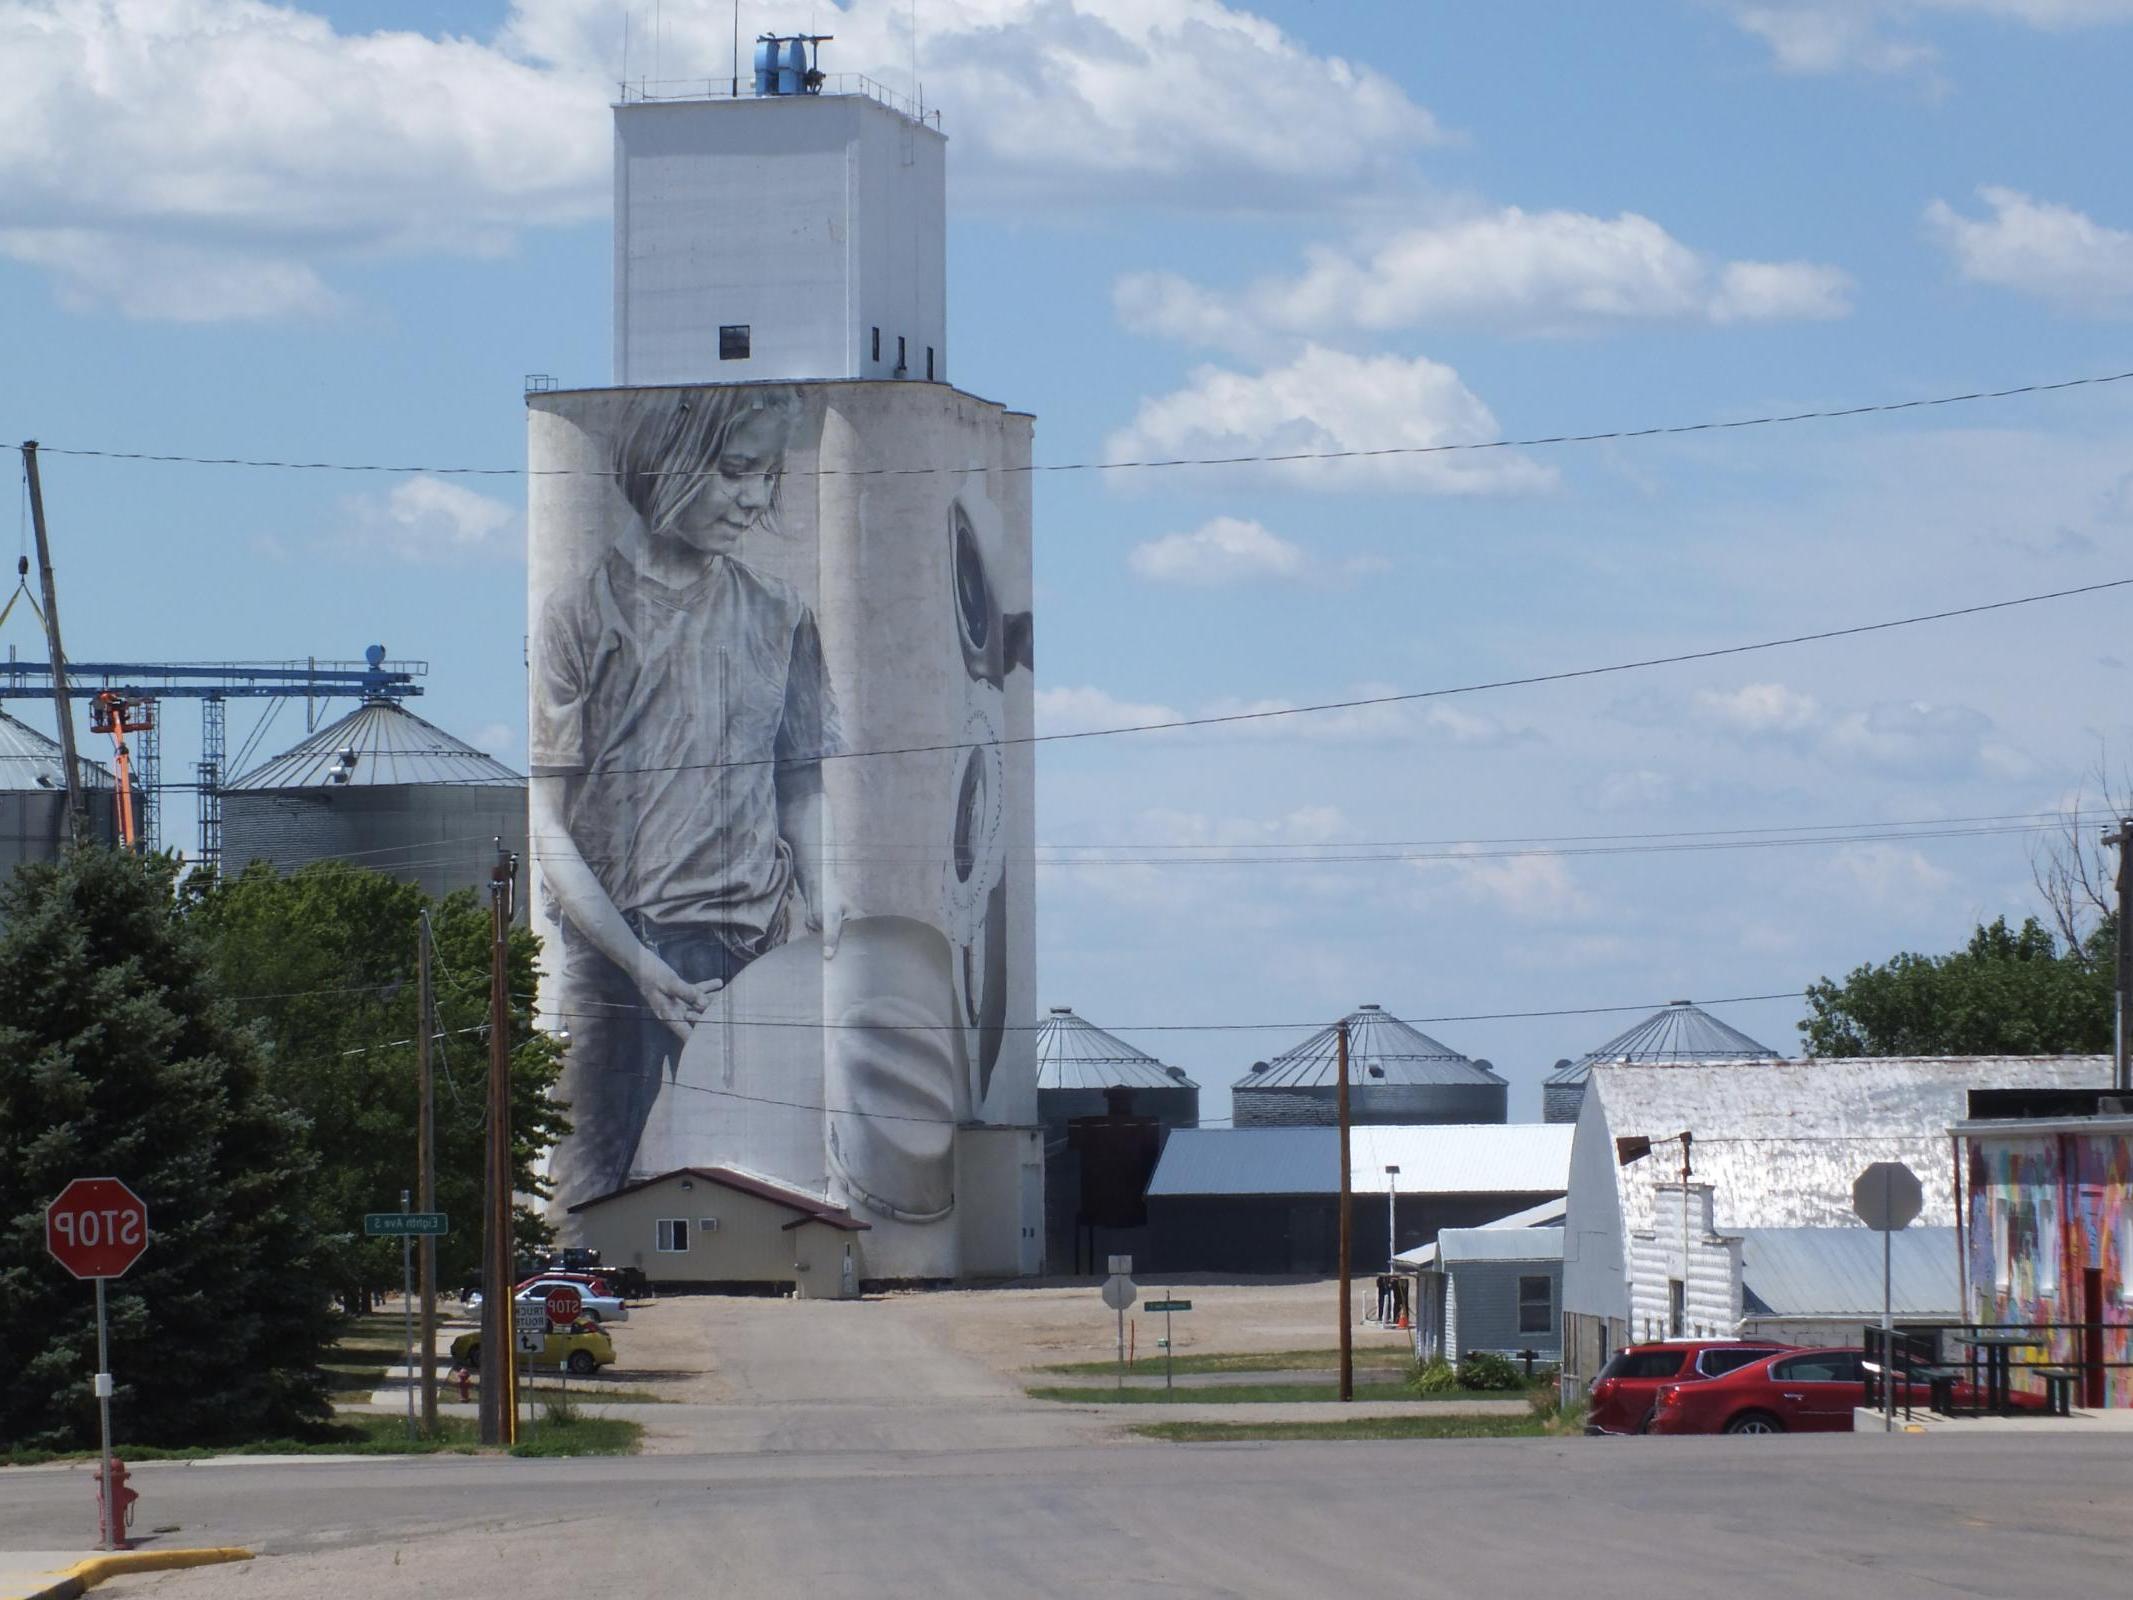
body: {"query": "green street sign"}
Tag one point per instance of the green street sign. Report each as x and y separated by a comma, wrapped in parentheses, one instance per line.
(1168, 1305)
(399, 1224)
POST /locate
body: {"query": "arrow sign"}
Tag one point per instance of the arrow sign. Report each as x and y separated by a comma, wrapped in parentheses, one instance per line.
(398, 1224)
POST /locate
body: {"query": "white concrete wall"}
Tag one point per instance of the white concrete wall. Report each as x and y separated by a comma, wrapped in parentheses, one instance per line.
(1000, 1201)
(811, 219)
(1595, 1258)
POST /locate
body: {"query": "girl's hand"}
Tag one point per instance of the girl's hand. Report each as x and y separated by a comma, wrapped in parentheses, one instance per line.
(827, 913)
(672, 998)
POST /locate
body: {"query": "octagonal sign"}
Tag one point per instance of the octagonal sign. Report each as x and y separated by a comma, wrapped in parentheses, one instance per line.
(1888, 1196)
(97, 1228)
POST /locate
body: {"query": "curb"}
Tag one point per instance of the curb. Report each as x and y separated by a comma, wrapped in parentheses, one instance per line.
(74, 1581)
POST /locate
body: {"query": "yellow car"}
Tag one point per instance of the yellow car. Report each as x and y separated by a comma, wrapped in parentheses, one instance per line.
(583, 1349)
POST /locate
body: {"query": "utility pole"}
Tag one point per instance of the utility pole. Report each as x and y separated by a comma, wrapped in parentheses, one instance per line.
(499, 1337)
(63, 708)
(426, 1166)
(1340, 1100)
(2121, 1065)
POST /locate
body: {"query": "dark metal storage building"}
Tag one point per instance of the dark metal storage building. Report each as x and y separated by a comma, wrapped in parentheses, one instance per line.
(1678, 1031)
(1396, 1074)
(1267, 1200)
(1083, 1071)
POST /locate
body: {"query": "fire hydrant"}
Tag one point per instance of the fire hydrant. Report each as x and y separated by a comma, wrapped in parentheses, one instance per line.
(114, 1504)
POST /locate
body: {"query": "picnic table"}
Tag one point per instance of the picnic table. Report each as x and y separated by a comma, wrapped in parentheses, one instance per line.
(1997, 1346)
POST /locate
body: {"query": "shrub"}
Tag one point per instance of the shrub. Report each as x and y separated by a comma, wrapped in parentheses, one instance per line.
(1434, 1376)
(1484, 1369)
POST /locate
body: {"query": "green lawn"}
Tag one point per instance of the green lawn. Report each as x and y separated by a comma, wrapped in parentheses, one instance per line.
(1421, 1427)
(1248, 1394)
(1251, 1361)
(375, 1435)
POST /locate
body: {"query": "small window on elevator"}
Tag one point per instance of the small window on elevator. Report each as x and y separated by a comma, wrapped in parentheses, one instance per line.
(733, 341)
(876, 356)
(929, 363)
(900, 367)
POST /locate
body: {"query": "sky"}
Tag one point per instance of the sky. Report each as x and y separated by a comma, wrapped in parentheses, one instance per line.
(1183, 228)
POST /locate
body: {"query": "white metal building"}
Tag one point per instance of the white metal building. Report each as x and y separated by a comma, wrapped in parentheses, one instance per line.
(1772, 1145)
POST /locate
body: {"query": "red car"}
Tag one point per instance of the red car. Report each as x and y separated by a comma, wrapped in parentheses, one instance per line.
(1623, 1393)
(1801, 1391)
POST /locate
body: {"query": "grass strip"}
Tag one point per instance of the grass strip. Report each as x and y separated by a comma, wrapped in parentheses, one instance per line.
(1245, 1361)
(1423, 1427)
(1235, 1394)
(375, 1434)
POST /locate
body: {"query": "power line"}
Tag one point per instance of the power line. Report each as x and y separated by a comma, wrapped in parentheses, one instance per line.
(614, 1012)
(1774, 419)
(1271, 713)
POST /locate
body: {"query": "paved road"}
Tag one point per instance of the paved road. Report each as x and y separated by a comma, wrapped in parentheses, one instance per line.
(1837, 1516)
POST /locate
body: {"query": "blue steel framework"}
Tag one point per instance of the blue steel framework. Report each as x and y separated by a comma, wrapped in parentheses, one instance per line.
(213, 684)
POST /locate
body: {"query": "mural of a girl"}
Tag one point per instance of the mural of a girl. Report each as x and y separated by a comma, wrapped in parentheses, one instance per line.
(682, 711)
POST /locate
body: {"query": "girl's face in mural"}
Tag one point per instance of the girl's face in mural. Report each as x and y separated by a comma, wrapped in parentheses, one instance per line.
(739, 488)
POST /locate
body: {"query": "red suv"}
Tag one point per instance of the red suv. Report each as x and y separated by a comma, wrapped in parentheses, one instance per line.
(1627, 1387)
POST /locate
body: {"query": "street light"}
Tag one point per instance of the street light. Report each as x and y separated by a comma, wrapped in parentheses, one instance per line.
(1392, 1217)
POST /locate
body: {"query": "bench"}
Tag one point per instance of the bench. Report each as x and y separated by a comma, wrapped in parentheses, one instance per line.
(1940, 1382)
(2058, 1388)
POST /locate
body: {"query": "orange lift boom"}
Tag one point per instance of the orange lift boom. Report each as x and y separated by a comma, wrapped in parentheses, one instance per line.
(116, 715)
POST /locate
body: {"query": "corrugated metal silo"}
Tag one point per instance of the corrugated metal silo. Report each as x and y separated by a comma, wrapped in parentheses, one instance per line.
(1396, 1074)
(380, 788)
(33, 797)
(1677, 1031)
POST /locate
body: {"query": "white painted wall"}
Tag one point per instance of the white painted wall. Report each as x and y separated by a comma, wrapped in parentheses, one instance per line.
(1713, 1301)
(811, 219)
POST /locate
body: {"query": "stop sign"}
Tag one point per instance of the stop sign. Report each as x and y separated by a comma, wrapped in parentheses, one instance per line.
(563, 1306)
(97, 1228)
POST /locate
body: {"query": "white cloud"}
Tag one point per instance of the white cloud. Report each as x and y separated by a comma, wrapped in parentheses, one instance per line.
(1327, 400)
(495, 738)
(1548, 272)
(1758, 708)
(204, 158)
(1530, 888)
(1079, 709)
(1887, 874)
(2041, 248)
(168, 282)
(1224, 550)
(1824, 36)
(429, 519)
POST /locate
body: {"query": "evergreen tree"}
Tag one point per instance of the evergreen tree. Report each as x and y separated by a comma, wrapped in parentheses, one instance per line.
(116, 1059)
(2010, 991)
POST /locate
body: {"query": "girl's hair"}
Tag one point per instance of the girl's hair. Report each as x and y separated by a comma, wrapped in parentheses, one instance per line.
(670, 442)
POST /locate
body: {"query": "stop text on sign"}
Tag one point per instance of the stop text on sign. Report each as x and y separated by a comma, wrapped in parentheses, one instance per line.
(92, 1230)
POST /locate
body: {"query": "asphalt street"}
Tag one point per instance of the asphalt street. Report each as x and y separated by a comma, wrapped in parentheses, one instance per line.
(1834, 1516)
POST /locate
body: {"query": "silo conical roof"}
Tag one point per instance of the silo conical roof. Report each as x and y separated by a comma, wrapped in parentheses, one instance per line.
(380, 743)
(1678, 1031)
(30, 761)
(1381, 1050)
(1073, 1053)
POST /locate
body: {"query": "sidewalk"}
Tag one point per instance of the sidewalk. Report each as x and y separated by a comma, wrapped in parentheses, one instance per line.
(66, 1574)
(2094, 1424)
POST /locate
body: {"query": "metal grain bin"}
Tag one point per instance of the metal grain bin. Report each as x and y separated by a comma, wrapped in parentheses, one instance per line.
(1396, 1074)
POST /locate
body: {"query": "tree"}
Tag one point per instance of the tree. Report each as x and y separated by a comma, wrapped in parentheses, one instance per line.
(117, 1059)
(2010, 991)
(322, 962)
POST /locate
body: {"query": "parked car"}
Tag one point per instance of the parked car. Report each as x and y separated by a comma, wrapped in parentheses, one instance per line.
(600, 1307)
(591, 1282)
(584, 1349)
(1801, 1391)
(1623, 1393)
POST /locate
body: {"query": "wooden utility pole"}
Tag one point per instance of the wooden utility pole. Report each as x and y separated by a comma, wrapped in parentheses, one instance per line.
(499, 1337)
(63, 708)
(426, 1167)
(1340, 1100)
(2121, 1065)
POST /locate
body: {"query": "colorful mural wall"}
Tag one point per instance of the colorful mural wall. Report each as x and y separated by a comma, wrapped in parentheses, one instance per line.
(2050, 1239)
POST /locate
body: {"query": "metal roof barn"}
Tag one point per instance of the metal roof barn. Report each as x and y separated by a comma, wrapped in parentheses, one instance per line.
(1396, 1074)
(1778, 1144)
(1677, 1031)
(1834, 1274)
(379, 788)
